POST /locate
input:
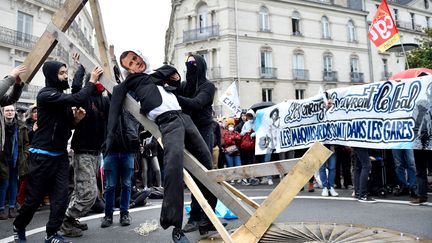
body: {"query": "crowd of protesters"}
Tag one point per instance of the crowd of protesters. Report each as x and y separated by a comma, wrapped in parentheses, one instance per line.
(35, 161)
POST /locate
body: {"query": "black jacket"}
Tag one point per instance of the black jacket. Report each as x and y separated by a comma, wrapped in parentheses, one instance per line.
(126, 135)
(91, 130)
(145, 90)
(55, 118)
(196, 95)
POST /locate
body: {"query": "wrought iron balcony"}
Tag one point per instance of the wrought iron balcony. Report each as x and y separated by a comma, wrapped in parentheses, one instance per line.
(300, 74)
(268, 72)
(385, 75)
(330, 76)
(409, 26)
(201, 33)
(27, 41)
(52, 3)
(82, 38)
(30, 92)
(357, 77)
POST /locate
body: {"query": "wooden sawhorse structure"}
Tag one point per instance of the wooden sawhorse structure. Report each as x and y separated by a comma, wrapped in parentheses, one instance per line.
(255, 223)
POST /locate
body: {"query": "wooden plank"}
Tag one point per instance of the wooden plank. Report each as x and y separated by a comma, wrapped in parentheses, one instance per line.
(101, 39)
(254, 170)
(190, 183)
(282, 195)
(221, 192)
(62, 19)
(240, 195)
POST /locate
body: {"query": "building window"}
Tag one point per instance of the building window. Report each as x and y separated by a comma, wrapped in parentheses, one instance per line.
(296, 23)
(202, 18)
(385, 68)
(266, 63)
(352, 36)
(426, 4)
(412, 20)
(24, 26)
(264, 19)
(396, 16)
(354, 65)
(299, 94)
(328, 62)
(325, 27)
(299, 71)
(267, 95)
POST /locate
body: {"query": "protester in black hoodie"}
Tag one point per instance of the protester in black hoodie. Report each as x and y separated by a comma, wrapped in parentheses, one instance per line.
(195, 97)
(86, 143)
(49, 163)
(177, 129)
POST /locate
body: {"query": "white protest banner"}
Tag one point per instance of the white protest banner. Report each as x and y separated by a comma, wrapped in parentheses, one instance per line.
(385, 115)
(231, 99)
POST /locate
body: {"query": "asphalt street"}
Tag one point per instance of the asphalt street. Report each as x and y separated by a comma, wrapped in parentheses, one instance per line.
(394, 213)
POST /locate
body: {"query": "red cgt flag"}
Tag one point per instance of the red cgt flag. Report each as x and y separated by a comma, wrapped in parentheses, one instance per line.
(382, 31)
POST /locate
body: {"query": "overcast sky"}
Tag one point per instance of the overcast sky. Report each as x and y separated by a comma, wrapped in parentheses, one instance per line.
(137, 24)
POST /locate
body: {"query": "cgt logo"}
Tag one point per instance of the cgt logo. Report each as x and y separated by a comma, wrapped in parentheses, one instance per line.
(382, 28)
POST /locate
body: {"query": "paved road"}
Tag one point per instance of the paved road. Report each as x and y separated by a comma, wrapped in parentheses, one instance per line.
(393, 213)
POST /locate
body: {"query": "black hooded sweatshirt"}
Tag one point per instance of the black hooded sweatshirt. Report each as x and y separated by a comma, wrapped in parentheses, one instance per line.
(145, 91)
(196, 95)
(55, 118)
(91, 130)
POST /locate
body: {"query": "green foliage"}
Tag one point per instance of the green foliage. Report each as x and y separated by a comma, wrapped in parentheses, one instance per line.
(422, 57)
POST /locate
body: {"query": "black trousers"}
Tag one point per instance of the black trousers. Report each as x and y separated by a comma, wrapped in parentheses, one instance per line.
(177, 129)
(197, 213)
(48, 175)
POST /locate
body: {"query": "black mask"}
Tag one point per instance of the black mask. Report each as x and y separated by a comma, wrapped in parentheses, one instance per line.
(191, 69)
(64, 85)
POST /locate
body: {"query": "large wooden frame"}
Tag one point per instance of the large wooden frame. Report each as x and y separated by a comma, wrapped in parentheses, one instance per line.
(255, 218)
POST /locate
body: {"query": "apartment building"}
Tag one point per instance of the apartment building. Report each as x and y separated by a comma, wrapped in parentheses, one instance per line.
(23, 22)
(279, 50)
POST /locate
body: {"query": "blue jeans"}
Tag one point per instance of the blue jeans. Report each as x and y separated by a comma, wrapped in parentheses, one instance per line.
(233, 160)
(405, 164)
(117, 164)
(330, 164)
(10, 183)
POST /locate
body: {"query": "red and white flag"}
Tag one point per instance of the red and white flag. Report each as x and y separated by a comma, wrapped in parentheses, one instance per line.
(382, 31)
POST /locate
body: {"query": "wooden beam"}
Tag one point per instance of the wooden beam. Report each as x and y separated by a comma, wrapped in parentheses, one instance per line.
(101, 39)
(190, 183)
(282, 195)
(62, 19)
(254, 170)
(221, 192)
(240, 195)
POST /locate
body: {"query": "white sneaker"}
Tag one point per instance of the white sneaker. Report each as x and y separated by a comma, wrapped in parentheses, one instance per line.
(270, 182)
(333, 193)
(264, 180)
(325, 192)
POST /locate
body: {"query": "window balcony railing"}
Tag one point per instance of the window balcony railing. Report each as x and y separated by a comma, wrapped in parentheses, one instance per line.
(409, 26)
(214, 73)
(82, 38)
(328, 2)
(268, 72)
(300, 74)
(30, 92)
(385, 75)
(27, 42)
(357, 77)
(330, 76)
(201, 33)
(52, 3)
